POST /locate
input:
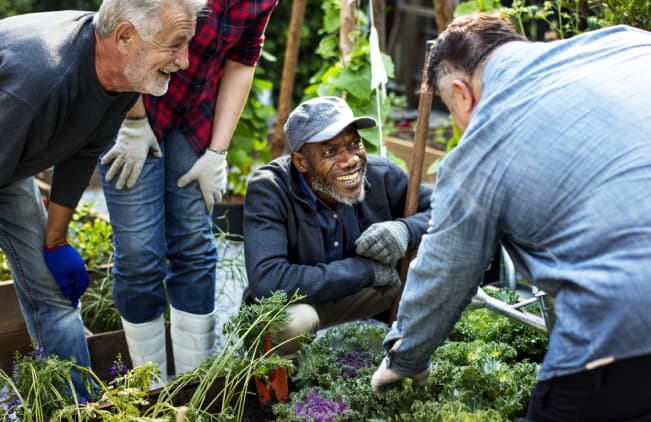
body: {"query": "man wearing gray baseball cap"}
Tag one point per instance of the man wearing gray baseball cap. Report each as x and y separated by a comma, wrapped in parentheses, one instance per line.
(326, 222)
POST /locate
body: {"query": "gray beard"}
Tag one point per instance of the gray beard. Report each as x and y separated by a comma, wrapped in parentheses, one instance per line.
(317, 186)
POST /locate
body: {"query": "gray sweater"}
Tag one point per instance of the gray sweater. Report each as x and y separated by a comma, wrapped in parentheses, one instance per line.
(53, 110)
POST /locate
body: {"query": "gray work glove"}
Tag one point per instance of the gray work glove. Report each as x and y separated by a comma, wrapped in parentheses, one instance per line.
(211, 173)
(384, 375)
(384, 242)
(132, 145)
(384, 275)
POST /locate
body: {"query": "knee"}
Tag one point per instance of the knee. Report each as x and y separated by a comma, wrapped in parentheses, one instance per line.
(304, 321)
(136, 262)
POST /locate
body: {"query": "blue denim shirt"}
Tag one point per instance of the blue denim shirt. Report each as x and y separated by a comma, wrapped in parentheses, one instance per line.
(340, 226)
(556, 164)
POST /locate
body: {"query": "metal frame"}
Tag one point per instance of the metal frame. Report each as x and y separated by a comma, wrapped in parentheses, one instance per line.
(541, 324)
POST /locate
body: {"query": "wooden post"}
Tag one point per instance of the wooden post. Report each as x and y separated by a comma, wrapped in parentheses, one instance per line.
(288, 77)
(380, 21)
(444, 13)
(347, 27)
(413, 188)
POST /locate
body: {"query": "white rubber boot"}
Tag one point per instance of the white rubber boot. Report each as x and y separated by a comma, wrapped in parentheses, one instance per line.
(193, 339)
(146, 343)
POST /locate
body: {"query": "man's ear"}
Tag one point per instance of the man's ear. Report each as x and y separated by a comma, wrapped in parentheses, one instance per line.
(300, 162)
(124, 34)
(464, 99)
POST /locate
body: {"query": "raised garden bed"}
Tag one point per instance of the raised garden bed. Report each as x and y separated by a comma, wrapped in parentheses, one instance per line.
(13, 331)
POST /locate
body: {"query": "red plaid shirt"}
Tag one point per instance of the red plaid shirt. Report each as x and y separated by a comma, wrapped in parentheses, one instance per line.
(226, 29)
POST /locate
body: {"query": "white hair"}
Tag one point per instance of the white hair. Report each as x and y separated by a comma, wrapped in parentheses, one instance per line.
(143, 14)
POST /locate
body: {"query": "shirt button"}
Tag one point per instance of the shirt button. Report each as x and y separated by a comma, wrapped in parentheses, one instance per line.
(334, 215)
(336, 243)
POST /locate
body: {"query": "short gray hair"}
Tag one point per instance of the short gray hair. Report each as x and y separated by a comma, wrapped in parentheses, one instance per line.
(466, 44)
(143, 14)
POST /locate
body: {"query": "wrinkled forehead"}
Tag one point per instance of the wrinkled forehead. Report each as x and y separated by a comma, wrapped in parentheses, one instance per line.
(350, 132)
(178, 23)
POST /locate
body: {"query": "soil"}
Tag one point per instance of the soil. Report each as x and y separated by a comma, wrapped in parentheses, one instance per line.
(254, 411)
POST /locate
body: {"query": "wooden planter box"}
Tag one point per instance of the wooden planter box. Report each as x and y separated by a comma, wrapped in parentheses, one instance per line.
(403, 149)
(14, 337)
(13, 331)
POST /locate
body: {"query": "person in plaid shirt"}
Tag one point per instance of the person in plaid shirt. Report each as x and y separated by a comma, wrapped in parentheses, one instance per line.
(160, 204)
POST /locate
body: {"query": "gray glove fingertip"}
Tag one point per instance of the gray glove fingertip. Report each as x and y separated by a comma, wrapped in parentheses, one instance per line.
(135, 174)
(108, 157)
(183, 181)
(119, 185)
(156, 152)
(209, 200)
(127, 169)
(114, 169)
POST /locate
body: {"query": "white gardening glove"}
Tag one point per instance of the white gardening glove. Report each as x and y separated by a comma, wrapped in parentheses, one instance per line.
(130, 151)
(385, 242)
(384, 375)
(210, 171)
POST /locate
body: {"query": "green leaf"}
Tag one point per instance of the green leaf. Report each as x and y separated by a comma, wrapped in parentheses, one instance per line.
(356, 83)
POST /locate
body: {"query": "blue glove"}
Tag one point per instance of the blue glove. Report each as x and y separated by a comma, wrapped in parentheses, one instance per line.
(68, 270)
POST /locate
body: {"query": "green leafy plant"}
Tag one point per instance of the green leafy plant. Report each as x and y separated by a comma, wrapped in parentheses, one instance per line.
(487, 326)
(565, 18)
(14, 7)
(5, 269)
(276, 41)
(98, 310)
(477, 375)
(39, 383)
(91, 235)
(250, 147)
(351, 81)
(42, 384)
(341, 352)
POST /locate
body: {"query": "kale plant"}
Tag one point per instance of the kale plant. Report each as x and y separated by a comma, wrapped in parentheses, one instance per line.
(485, 371)
(489, 326)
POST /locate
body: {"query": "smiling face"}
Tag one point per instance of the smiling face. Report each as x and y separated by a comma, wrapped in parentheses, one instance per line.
(153, 61)
(335, 168)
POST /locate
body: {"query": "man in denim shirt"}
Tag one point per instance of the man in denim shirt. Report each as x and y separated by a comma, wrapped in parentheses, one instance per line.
(555, 163)
(327, 222)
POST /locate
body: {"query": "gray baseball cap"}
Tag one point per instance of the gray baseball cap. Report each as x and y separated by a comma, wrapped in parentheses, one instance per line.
(320, 119)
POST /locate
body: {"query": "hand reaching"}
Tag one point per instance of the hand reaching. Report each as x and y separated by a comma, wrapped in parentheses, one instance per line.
(385, 376)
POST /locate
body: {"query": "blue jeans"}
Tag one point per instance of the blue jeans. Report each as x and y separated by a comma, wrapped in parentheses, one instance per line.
(49, 316)
(163, 237)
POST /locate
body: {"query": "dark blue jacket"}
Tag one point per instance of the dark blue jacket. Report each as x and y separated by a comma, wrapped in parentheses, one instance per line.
(284, 247)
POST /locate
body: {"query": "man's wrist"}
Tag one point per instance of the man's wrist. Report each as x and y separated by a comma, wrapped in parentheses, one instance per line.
(135, 117)
(218, 152)
(55, 245)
